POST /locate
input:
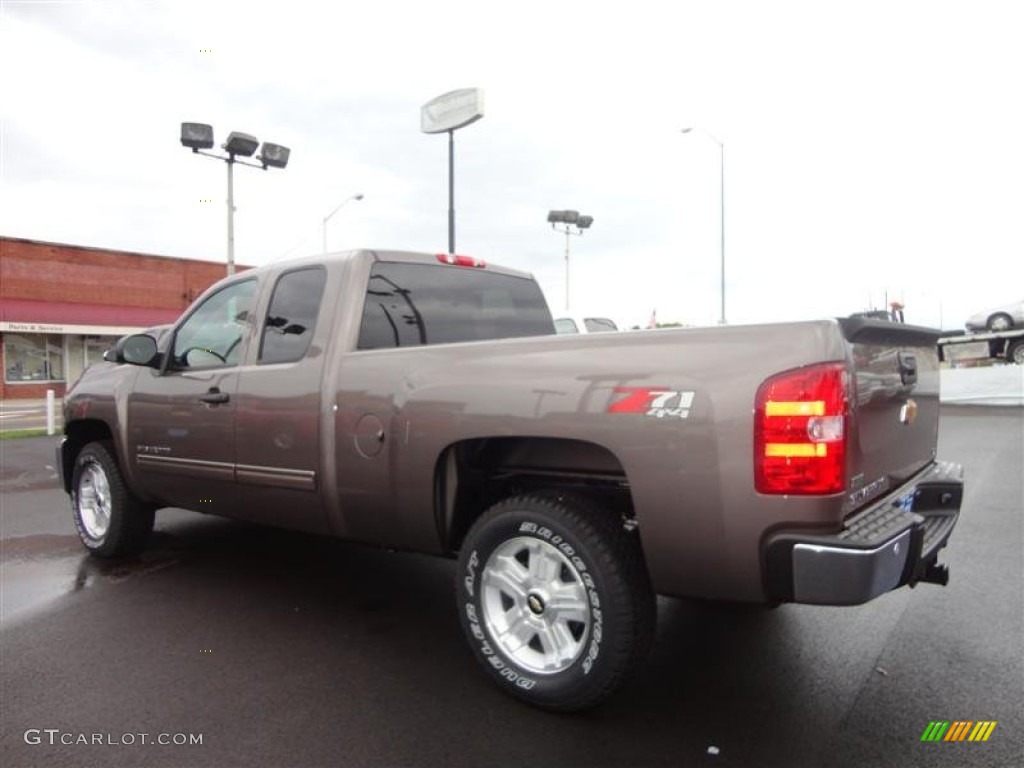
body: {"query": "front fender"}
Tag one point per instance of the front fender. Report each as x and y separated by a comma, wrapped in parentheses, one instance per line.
(63, 461)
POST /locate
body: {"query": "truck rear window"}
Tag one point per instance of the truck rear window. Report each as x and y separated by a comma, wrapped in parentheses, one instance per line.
(414, 304)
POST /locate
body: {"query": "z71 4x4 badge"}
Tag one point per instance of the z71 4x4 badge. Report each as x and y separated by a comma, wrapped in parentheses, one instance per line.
(656, 402)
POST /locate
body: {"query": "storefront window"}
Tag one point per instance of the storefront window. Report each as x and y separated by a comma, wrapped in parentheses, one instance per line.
(95, 346)
(73, 360)
(33, 357)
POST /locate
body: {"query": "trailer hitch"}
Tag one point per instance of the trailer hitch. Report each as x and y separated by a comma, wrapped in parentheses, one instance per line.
(935, 574)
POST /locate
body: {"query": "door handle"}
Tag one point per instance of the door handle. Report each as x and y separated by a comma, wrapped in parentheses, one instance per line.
(215, 397)
(908, 368)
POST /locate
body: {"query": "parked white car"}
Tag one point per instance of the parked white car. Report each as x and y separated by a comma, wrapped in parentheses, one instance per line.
(579, 324)
(998, 319)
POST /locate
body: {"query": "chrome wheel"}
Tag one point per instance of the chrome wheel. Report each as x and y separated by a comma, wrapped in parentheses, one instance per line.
(535, 605)
(94, 503)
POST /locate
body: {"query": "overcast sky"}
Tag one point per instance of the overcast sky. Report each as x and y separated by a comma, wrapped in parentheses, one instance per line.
(871, 148)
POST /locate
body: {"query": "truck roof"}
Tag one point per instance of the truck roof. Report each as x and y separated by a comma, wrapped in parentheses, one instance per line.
(409, 257)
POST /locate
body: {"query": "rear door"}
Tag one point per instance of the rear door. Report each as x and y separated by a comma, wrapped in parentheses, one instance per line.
(279, 406)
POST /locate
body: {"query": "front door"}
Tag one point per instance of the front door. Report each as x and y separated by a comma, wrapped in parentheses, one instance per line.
(181, 421)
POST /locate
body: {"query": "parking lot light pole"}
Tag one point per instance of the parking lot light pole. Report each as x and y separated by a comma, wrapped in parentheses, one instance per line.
(572, 224)
(721, 212)
(199, 137)
(338, 208)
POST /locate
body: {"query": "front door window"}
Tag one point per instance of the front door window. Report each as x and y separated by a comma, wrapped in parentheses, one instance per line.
(213, 335)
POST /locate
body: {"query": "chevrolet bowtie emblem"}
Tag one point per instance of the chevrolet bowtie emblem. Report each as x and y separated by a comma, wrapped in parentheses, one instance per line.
(908, 412)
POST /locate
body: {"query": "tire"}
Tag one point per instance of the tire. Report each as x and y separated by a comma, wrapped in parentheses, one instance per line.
(111, 522)
(1015, 352)
(1000, 322)
(555, 600)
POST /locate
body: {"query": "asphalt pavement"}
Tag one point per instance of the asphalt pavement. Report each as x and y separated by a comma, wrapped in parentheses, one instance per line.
(280, 649)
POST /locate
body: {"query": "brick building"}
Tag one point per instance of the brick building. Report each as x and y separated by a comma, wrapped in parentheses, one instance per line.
(61, 306)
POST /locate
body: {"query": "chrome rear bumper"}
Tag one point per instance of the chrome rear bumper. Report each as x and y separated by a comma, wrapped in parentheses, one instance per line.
(893, 543)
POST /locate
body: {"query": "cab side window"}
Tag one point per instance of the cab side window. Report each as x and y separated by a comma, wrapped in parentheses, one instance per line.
(291, 318)
(213, 334)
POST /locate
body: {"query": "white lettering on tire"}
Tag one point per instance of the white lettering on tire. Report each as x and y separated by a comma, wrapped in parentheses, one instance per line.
(477, 631)
(470, 579)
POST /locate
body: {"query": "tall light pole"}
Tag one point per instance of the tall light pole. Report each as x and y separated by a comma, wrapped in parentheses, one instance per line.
(572, 224)
(329, 215)
(446, 114)
(721, 212)
(199, 137)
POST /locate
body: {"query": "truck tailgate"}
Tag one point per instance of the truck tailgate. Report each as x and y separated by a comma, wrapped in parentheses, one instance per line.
(895, 405)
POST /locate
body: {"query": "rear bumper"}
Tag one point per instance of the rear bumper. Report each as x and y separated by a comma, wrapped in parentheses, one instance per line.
(895, 542)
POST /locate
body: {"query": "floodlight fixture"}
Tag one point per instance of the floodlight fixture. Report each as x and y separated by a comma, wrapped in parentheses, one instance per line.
(273, 155)
(563, 217)
(241, 144)
(573, 223)
(197, 136)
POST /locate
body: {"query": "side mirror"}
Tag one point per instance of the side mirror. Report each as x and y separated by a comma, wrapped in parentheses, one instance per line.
(137, 349)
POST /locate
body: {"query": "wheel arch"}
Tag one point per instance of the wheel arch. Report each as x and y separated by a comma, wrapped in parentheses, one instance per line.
(471, 475)
(79, 434)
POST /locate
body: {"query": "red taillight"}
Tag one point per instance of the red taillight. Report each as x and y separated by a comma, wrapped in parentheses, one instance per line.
(460, 261)
(800, 431)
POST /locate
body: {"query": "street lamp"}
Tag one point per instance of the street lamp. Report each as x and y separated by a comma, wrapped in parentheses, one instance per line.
(721, 211)
(199, 137)
(329, 215)
(572, 224)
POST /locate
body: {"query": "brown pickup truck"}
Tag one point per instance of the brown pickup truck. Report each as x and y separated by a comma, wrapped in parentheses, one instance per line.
(424, 402)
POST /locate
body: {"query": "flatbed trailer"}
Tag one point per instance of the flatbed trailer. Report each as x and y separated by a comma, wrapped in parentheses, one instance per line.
(1002, 345)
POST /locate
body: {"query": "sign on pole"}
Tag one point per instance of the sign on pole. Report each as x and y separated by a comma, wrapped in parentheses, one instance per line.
(445, 114)
(453, 110)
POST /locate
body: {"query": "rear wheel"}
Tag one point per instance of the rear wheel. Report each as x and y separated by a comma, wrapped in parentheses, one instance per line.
(111, 522)
(1000, 322)
(554, 599)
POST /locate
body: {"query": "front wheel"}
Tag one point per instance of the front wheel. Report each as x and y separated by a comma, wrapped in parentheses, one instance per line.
(111, 522)
(555, 601)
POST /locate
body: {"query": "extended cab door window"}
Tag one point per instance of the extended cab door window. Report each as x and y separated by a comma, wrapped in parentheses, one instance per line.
(212, 335)
(291, 318)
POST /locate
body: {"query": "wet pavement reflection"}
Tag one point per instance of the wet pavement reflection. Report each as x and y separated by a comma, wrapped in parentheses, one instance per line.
(289, 649)
(36, 571)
